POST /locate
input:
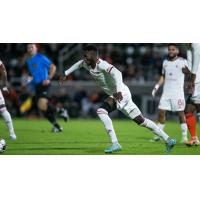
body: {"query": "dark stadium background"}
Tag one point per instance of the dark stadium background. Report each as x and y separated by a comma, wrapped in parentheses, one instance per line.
(140, 64)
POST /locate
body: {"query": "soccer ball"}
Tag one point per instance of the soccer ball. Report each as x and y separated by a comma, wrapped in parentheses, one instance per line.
(2, 145)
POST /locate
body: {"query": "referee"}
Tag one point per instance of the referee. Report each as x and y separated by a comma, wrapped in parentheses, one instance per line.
(42, 71)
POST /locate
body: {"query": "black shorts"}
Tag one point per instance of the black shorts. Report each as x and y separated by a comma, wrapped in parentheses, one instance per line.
(41, 91)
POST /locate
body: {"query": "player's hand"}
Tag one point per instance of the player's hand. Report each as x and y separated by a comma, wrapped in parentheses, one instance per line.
(118, 96)
(5, 91)
(154, 91)
(46, 82)
(61, 80)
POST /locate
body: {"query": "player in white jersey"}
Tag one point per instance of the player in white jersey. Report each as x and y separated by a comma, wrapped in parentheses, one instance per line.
(3, 111)
(110, 80)
(173, 98)
(193, 102)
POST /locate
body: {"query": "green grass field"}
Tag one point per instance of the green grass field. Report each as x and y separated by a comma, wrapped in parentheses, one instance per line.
(87, 137)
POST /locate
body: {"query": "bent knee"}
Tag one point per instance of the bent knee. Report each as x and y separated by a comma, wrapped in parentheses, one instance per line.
(42, 104)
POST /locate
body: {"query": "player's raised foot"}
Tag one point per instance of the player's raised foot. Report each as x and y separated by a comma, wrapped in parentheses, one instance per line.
(170, 144)
(155, 139)
(13, 137)
(193, 142)
(184, 140)
(114, 148)
(64, 114)
(56, 129)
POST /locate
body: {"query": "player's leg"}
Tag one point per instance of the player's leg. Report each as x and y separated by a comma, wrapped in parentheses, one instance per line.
(160, 124)
(107, 107)
(191, 123)
(7, 118)
(144, 122)
(133, 112)
(163, 106)
(44, 105)
(63, 113)
(184, 127)
(49, 113)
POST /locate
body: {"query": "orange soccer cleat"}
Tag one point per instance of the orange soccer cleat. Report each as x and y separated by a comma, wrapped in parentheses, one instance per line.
(194, 141)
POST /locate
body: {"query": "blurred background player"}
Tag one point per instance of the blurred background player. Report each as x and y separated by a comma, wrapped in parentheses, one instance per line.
(42, 71)
(110, 80)
(193, 102)
(3, 110)
(172, 99)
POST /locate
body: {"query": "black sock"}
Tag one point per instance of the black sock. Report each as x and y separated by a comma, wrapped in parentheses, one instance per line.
(50, 114)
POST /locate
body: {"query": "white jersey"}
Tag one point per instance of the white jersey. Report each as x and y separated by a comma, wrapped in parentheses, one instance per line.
(174, 78)
(193, 57)
(110, 80)
(101, 75)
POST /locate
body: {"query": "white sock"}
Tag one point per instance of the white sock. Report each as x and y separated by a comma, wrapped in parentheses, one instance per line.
(184, 130)
(7, 118)
(161, 126)
(103, 115)
(155, 129)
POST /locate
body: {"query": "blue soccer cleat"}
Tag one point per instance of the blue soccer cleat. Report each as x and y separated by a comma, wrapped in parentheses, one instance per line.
(114, 148)
(170, 144)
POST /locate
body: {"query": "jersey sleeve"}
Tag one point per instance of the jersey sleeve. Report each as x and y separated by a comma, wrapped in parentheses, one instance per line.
(163, 68)
(114, 73)
(74, 67)
(46, 61)
(105, 66)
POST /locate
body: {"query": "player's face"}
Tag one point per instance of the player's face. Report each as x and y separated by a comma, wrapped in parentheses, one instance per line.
(172, 52)
(31, 49)
(89, 57)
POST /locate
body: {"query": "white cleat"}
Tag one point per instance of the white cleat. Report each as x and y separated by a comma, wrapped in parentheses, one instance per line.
(57, 129)
(13, 137)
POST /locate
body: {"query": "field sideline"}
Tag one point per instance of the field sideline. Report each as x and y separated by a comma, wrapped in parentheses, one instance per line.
(87, 137)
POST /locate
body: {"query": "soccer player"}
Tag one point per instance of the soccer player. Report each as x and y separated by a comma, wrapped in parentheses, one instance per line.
(173, 98)
(42, 71)
(193, 102)
(3, 111)
(110, 80)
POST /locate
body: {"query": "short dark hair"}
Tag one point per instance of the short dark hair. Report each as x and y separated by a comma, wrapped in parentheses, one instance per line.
(91, 48)
(173, 44)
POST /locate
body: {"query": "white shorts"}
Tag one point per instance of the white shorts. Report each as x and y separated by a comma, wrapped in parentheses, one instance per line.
(173, 105)
(127, 106)
(2, 101)
(196, 96)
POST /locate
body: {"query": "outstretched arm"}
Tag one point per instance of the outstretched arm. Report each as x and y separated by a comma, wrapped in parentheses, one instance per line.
(69, 71)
